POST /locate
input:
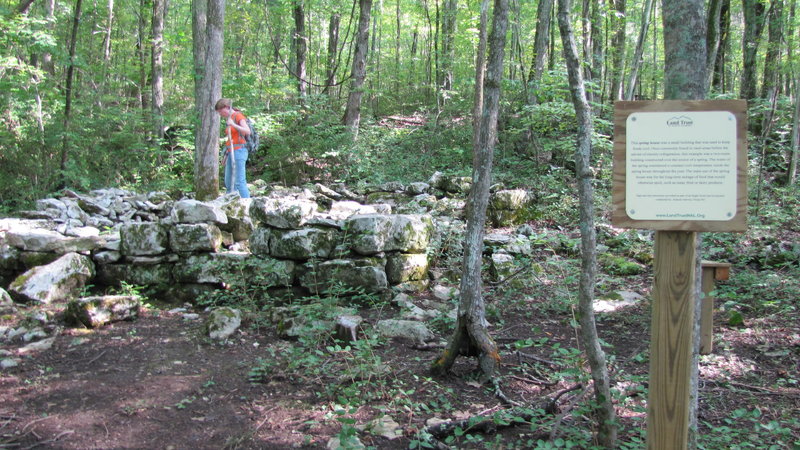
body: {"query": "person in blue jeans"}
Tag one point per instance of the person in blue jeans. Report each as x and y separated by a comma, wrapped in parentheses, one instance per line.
(236, 130)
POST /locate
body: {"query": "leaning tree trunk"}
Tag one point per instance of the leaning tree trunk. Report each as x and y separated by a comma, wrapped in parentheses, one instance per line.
(606, 417)
(471, 336)
(352, 113)
(208, 21)
(684, 79)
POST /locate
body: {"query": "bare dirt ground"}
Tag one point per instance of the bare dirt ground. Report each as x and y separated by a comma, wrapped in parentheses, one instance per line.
(158, 382)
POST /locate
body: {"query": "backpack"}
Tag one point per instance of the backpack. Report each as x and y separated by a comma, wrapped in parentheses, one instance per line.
(251, 141)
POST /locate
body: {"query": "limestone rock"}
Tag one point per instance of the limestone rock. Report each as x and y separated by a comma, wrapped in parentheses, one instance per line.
(223, 322)
(286, 213)
(94, 312)
(375, 233)
(144, 239)
(303, 244)
(197, 237)
(364, 274)
(59, 280)
(402, 267)
(405, 329)
(194, 211)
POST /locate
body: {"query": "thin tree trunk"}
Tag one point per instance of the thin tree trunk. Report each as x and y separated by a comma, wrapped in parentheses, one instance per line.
(471, 336)
(76, 20)
(606, 417)
(794, 148)
(159, 11)
(397, 49)
(618, 50)
(447, 54)
(207, 26)
(141, 54)
(713, 38)
(684, 23)
(719, 76)
(598, 48)
(300, 48)
(480, 71)
(637, 54)
(771, 83)
(754, 18)
(107, 36)
(540, 42)
(333, 45)
(352, 113)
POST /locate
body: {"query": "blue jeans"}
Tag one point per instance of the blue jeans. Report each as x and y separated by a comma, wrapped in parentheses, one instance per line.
(238, 180)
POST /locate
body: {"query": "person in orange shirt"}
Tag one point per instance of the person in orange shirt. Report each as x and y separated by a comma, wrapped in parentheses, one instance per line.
(236, 130)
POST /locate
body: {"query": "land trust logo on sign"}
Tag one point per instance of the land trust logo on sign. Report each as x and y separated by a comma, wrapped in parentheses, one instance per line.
(681, 121)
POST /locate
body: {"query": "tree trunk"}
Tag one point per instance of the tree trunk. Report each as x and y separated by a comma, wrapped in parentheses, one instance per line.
(76, 20)
(754, 18)
(637, 54)
(141, 54)
(447, 53)
(540, 42)
(208, 25)
(713, 38)
(300, 48)
(480, 72)
(159, 11)
(794, 148)
(684, 25)
(618, 50)
(598, 48)
(352, 113)
(771, 86)
(719, 77)
(471, 336)
(606, 417)
(107, 36)
(333, 46)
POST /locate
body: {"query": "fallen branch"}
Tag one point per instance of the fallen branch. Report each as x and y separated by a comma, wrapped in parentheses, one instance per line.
(510, 417)
(536, 358)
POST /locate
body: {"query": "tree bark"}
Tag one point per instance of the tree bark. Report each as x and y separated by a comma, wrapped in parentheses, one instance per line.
(754, 18)
(606, 416)
(333, 46)
(618, 50)
(352, 113)
(794, 148)
(540, 42)
(208, 24)
(447, 54)
(300, 48)
(713, 38)
(107, 36)
(141, 54)
(76, 20)
(770, 85)
(719, 77)
(157, 53)
(480, 72)
(637, 54)
(471, 336)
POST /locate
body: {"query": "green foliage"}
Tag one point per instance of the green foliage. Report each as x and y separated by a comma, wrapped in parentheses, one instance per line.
(748, 428)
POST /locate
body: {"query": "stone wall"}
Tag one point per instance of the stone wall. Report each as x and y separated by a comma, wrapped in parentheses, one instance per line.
(286, 239)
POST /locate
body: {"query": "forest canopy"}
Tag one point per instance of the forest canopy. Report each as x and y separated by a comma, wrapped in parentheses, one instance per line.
(101, 93)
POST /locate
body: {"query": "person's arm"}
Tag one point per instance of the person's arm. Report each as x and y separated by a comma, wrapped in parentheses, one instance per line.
(241, 127)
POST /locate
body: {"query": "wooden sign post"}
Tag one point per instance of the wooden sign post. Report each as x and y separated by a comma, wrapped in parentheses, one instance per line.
(680, 167)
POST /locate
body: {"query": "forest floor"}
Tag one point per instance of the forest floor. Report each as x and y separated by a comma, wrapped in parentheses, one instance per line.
(159, 382)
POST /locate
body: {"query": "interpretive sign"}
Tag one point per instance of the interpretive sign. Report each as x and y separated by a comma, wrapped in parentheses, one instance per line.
(680, 165)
